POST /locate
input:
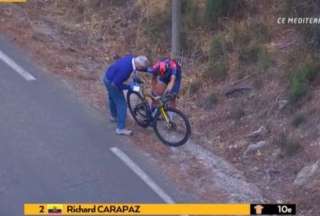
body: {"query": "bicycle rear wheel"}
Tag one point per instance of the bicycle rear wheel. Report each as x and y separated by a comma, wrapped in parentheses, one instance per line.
(173, 130)
(138, 108)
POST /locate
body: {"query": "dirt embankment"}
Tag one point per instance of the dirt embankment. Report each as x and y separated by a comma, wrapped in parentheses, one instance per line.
(243, 122)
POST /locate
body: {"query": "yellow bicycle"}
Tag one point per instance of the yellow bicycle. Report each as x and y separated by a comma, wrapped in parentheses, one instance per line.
(170, 124)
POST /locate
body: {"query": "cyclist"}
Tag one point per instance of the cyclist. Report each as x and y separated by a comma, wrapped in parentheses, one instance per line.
(114, 78)
(166, 78)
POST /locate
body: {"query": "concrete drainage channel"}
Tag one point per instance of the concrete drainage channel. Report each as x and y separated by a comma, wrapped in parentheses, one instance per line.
(220, 174)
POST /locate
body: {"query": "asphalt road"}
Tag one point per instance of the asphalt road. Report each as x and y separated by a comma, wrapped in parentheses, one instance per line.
(54, 148)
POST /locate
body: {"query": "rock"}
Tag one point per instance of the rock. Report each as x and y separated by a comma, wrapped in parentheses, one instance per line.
(237, 91)
(308, 174)
(41, 37)
(282, 104)
(276, 152)
(258, 134)
(254, 147)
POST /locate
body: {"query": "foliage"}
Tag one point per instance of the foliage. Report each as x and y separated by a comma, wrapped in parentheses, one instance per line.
(187, 43)
(247, 38)
(157, 28)
(257, 55)
(264, 60)
(218, 64)
(210, 101)
(249, 54)
(219, 8)
(298, 120)
(300, 81)
(194, 87)
(288, 146)
(237, 112)
(190, 13)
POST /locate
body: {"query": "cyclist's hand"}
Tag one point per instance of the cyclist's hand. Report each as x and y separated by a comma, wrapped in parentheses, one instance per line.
(138, 80)
(164, 98)
(157, 97)
(167, 96)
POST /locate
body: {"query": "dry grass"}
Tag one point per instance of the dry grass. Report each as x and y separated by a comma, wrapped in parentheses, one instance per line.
(213, 128)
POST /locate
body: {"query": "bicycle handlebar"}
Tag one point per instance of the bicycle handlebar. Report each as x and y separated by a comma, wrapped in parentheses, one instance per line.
(163, 98)
(138, 80)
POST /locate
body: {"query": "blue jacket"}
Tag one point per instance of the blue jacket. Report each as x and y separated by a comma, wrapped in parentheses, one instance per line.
(119, 71)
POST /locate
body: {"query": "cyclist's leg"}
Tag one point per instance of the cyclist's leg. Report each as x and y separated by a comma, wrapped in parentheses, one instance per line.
(175, 92)
(157, 90)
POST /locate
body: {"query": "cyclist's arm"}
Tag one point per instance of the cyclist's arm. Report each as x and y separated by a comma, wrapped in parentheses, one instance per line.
(154, 80)
(174, 71)
(170, 84)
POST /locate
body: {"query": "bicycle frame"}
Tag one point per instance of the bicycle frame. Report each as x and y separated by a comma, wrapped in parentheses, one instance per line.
(159, 117)
(160, 108)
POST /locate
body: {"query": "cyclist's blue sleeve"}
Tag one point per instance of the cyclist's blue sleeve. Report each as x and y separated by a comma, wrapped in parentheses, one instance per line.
(154, 69)
(173, 68)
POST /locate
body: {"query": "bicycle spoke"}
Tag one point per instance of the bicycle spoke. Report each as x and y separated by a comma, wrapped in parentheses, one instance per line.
(174, 130)
(138, 109)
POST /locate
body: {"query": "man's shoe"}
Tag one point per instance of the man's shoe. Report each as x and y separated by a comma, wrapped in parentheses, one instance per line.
(123, 132)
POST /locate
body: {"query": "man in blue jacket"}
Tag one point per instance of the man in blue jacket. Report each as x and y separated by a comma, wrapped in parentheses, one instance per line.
(114, 78)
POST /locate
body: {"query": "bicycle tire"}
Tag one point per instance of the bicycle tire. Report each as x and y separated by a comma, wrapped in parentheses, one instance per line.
(144, 122)
(187, 126)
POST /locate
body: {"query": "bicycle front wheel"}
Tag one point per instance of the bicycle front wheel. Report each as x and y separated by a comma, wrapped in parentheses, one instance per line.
(138, 108)
(172, 127)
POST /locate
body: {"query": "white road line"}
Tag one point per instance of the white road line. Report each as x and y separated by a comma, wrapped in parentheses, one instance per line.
(137, 170)
(6, 59)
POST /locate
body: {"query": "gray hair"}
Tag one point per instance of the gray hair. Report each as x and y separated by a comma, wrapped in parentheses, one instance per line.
(141, 61)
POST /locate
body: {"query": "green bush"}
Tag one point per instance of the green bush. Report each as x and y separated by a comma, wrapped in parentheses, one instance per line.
(298, 120)
(218, 60)
(216, 48)
(255, 54)
(300, 82)
(157, 28)
(249, 54)
(288, 146)
(298, 88)
(237, 113)
(220, 71)
(194, 87)
(248, 39)
(210, 101)
(190, 13)
(260, 32)
(187, 43)
(251, 31)
(264, 60)
(219, 8)
(216, 8)
(190, 19)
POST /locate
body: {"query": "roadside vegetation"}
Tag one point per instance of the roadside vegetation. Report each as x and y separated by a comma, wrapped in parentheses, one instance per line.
(244, 74)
